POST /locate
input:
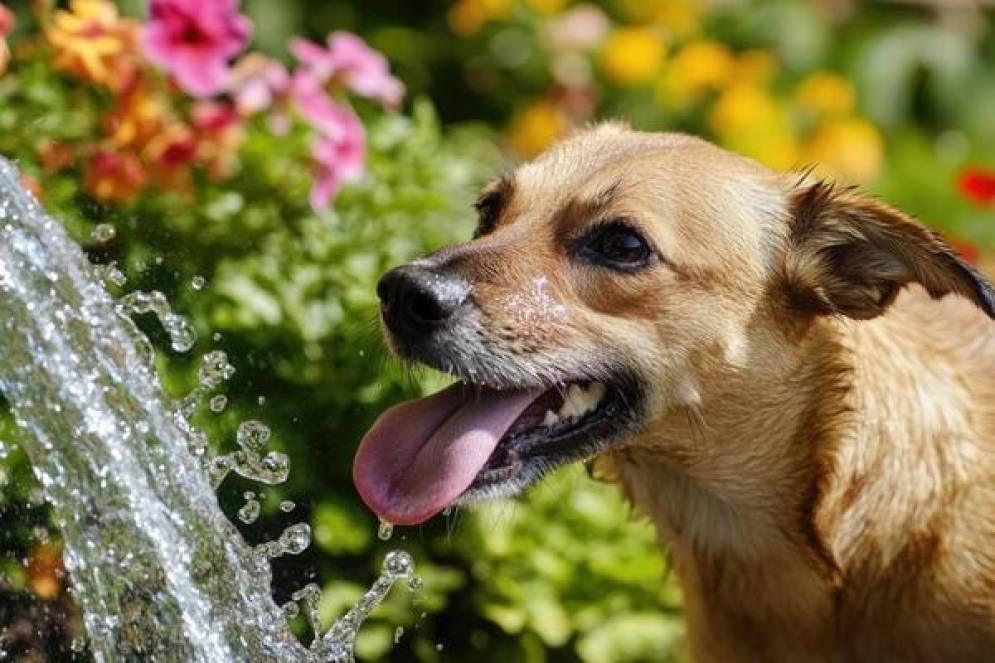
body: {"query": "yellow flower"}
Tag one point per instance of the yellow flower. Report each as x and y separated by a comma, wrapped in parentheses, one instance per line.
(545, 6)
(467, 16)
(680, 17)
(92, 42)
(849, 150)
(754, 66)
(633, 56)
(746, 118)
(826, 94)
(535, 127)
(701, 66)
(742, 107)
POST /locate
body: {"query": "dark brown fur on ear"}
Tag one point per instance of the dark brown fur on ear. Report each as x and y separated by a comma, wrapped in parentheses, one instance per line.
(851, 255)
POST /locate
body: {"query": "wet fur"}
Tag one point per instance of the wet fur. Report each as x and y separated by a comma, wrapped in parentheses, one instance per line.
(817, 436)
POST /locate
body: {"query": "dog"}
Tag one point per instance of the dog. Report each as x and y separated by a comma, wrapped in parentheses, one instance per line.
(794, 381)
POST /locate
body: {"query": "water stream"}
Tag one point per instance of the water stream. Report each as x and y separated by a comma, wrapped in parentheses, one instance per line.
(159, 571)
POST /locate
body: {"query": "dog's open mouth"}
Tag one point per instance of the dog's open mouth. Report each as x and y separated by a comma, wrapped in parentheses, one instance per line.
(467, 442)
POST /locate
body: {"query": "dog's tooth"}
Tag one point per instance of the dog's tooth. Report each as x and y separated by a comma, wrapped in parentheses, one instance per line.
(572, 402)
(550, 419)
(596, 391)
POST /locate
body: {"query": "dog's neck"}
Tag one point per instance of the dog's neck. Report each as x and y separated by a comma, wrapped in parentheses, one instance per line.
(743, 483)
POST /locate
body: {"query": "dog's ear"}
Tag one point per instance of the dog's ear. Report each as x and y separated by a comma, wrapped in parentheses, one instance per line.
(849, 254)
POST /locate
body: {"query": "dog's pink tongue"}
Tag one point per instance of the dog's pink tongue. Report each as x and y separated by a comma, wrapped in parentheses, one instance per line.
(421, 455)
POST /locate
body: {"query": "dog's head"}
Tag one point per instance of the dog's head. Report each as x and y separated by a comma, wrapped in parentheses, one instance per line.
(607, 281)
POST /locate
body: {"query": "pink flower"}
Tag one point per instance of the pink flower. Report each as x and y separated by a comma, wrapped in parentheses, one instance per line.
(339, 154)
(349, 60)
(194, 40)
(256, 82)
(313, 103)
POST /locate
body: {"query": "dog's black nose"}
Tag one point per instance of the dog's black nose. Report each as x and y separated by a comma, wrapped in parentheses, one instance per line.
(418, 299)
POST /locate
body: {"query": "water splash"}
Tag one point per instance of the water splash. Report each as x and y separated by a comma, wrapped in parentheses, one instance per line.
(110, 275)
(157, 568)
(160, 572)
(215, 369)
(249, 461)
(182, 335)
(294, 540)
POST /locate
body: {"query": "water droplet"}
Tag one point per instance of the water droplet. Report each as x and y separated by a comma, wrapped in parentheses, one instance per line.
(293, 541)
(110, 275)
(398, 634)
(252, 435)
(215, 369)
(218, 403)
(385, 530)
(103, 233)
(416, 584)
(261, 401)
(398, 563)
(249, 512)
(198, 282)
(287, 506)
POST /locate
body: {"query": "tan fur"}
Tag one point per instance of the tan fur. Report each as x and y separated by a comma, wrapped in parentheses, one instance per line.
(818, 449)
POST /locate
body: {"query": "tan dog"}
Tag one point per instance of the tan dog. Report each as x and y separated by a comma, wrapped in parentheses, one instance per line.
(767, 365)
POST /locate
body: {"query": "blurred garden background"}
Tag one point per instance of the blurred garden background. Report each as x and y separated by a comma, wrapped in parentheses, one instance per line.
(262, 162)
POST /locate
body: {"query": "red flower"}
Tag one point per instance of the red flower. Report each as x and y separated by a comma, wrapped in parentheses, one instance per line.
(113, 176)
(977, 185)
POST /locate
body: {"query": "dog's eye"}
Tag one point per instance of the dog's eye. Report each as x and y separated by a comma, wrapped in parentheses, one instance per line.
(617, 245)
(488, 209)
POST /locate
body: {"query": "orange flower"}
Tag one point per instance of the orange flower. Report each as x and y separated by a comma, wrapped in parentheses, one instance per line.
(137, 116)
(220, 133)
(92, 42)
(55, 156)
(113, 176)
(45, 570)
(170, 153)
(467, 16)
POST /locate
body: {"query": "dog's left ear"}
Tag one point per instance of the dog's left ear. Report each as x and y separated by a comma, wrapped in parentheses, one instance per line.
(849, 254)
